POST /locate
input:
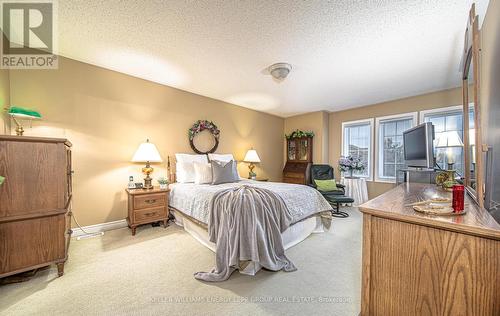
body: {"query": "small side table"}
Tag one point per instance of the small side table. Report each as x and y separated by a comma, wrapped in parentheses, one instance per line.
(147, 206)
(356, 188)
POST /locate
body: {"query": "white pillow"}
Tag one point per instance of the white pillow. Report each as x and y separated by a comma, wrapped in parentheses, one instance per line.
(221, 157)
(191, 158)
(184, 166)
(202, 173)
(184, 172)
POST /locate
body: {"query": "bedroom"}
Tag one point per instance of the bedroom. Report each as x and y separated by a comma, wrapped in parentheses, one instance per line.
(118, 83)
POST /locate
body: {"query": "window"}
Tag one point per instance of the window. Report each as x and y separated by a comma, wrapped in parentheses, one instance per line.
(390, 155)
(357, 141)
(447, 120)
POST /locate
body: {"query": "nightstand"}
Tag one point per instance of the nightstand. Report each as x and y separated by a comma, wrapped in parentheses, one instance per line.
(261, 179)
(147, 206)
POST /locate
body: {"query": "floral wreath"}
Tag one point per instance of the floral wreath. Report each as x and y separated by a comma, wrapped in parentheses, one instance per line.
(200, 126)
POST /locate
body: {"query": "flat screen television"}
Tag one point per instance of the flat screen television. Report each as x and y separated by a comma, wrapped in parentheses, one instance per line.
(418, 146)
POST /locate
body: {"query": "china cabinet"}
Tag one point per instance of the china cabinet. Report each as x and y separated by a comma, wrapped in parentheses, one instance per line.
(299, 159)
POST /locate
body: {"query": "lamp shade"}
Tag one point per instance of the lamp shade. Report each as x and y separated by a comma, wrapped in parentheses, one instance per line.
(251, 156)
(147, 152)
(23, 113)
(449, 139)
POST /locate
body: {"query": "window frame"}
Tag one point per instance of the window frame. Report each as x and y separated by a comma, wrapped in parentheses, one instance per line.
(369, 166)
(444, 111)
(448, 109)
(378, 121)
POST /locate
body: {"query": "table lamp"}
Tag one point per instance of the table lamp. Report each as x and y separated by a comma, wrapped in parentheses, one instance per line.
(251, 157)
(449, 140)
(18, 113)
(147, 153)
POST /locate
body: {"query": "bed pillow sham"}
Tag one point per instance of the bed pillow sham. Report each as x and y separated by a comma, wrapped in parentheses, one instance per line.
(202, 173)
(223, 172)
(225, 158)
(184, 166)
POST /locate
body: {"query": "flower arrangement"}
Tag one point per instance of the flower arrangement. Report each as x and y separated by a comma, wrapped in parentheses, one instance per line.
(299, 134)
(350, 163)
(202, 125)
(163, 182)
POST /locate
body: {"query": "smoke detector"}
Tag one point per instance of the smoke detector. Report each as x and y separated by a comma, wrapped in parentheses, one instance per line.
(279, 71)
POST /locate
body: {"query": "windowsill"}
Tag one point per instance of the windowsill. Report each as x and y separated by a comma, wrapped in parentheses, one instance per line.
(358, 177)
(393, 181)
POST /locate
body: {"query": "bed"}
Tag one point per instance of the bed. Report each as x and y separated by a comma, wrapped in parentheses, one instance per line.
(189, 203)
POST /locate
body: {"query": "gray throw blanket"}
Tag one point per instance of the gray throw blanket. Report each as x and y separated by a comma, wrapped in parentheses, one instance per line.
(246, 224)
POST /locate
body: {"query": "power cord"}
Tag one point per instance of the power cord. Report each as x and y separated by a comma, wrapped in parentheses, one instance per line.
(86, 234)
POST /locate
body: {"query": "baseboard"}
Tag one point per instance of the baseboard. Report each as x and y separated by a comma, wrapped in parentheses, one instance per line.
(99, 227)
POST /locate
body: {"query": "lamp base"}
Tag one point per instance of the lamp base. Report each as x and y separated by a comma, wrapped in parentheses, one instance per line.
(251, 174)
(148, 180)
(148, 183)
(19, 127)
(19, 131)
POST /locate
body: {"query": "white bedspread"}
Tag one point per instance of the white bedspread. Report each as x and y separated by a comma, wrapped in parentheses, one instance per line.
(194, 199)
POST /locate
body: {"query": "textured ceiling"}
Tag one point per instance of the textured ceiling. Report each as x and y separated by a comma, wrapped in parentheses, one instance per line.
(343, 53)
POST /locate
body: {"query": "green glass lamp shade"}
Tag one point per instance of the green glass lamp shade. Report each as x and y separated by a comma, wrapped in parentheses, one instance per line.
(24, 113)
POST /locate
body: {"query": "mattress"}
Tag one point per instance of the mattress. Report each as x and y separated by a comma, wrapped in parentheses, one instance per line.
(194, 199)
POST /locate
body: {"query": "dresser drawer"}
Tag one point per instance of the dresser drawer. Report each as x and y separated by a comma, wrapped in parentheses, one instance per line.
(150, 214)
(149, 200)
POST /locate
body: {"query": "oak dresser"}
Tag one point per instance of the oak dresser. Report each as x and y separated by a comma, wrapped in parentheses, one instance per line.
(35, 198)
(417, 264)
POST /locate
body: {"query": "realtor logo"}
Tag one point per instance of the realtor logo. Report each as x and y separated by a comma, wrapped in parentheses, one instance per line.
(28, 35)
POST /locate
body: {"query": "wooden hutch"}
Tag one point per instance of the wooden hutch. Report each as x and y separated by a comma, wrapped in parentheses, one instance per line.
(299, 160)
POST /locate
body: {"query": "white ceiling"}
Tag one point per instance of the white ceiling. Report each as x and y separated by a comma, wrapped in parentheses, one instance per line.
(344, 53)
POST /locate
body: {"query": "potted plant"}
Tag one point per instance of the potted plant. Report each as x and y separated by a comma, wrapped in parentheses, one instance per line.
(163, 183)
(299, 134)
(350, 163)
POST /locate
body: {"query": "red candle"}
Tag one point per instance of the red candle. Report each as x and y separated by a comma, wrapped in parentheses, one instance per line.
(458, 198)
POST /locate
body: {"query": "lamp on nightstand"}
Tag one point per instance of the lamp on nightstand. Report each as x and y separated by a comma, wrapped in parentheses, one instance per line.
(251, 157)
(147, 153)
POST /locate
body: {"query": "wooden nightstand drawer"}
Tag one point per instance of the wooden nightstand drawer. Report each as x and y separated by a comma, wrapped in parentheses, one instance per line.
(150, 214)
(149, 200)
(147, 206)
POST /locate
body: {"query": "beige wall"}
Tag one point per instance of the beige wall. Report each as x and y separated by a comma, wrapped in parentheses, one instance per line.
(417, 103)
(4, 101)
(316, 122)
(106, 115)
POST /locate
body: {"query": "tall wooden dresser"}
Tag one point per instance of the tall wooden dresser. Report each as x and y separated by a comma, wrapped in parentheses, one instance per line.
(34, 203)
(299, 160)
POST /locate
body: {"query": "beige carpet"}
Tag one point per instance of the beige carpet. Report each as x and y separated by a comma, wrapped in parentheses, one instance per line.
(151, 274)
